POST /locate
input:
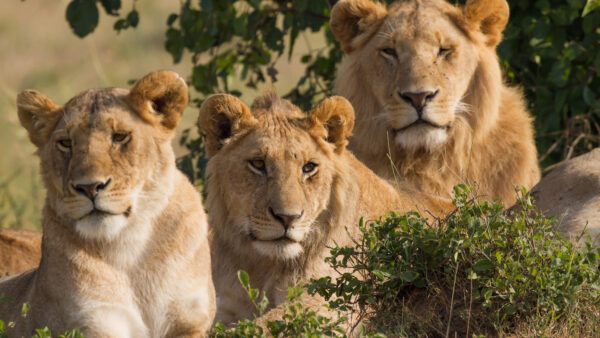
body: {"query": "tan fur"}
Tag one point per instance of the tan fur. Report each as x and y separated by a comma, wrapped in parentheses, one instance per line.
(244, 202)
(134, 260)
(571, 193)
(20, 250)
(474, 128)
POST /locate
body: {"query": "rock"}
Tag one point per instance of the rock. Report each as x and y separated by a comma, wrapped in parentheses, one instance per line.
(571, 193)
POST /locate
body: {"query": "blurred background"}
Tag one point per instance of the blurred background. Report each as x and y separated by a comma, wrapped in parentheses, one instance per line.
(40, 51)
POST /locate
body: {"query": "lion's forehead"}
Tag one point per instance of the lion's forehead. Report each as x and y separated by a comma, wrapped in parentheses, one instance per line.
(291, 143)
(421, 7)
(426, 22)
(97, 100)
(98, 112)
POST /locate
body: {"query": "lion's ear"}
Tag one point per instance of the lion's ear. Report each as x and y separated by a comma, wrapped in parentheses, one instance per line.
(38, 114)
(488, 16)
(160, 98)
(353, 22)
(335, 116)
(221, 117)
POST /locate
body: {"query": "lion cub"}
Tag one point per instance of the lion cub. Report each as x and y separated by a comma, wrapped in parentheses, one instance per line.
(124, 248)
(282, 188)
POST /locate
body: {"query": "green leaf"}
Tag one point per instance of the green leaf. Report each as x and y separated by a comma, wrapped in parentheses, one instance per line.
(561, 71)
(172, 19)
(590, 98)
(590, 6)
(82, 16)
(133, 18)
(244, 278)
(174, 44)
(482, 265)
(24, 309)
(408, 276)
(111, 7)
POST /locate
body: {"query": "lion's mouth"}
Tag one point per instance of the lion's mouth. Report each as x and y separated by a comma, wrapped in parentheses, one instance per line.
(101, 213)
(419, 122)
(282, 239)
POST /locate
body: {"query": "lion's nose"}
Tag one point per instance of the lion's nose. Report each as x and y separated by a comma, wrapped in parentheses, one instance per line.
(285, 219)
(418, 100)
(91, 190)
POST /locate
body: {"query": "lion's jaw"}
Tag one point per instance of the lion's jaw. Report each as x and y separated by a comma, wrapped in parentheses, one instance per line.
(104, 218)
(258, 198)
(128, 195)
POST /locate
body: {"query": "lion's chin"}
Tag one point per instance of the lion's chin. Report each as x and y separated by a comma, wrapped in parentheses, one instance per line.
(281, 249)
(100, 226)
(421, 136)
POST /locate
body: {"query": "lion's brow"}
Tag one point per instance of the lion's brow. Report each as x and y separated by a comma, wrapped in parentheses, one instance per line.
(100, 101)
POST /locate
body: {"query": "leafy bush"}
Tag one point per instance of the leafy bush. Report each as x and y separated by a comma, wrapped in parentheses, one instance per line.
(297, 320)
(476, 271)
(552, 52)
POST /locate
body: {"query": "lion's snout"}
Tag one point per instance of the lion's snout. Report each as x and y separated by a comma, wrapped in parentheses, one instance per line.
(286, 218)
(418, 99)
(91, 190)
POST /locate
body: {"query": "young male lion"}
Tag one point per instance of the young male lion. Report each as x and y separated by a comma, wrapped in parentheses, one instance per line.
(282, 188)
(424, 79)
(124, 248)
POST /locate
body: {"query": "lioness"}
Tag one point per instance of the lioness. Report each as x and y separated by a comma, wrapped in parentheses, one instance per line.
(124, 248)
(282, 188)
(20, 250)
(424, 79)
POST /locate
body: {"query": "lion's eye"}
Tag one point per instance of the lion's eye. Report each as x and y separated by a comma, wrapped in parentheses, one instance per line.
(258, 165)
(309, 167)
(444, 51)
(120, 138)
(64, 145)
(390, 52)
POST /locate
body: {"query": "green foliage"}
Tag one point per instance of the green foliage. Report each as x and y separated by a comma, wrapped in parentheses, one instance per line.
(45, 333)
(262, 305)
(296, 321)
(83, 15)
(193, 164)
(590, 6)
(476, 269)
(246, 38)
(552, 52)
